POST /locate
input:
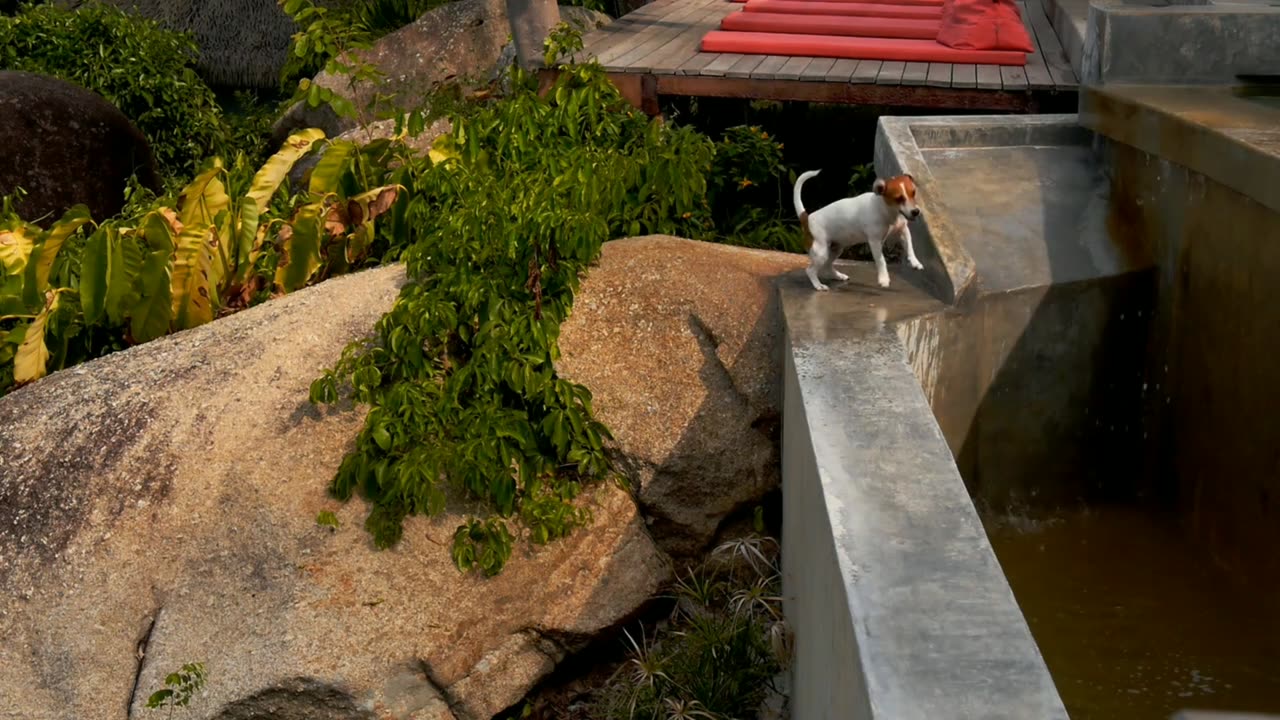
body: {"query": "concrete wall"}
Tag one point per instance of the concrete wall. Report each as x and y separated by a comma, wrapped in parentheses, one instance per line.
(1182, 44)
(899, 607)
(1213, 376)
(1032, 387)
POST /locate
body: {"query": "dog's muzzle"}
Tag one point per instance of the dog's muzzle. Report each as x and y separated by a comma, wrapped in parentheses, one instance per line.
(912, 214)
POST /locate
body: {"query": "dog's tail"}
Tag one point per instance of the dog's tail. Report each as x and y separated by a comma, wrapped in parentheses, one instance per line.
(800, 211)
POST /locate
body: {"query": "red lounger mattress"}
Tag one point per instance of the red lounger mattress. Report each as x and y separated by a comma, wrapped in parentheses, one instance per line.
(856, 9)
(871, 27)
(831, 46)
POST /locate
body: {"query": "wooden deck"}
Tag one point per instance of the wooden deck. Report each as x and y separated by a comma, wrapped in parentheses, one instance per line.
(655, 51)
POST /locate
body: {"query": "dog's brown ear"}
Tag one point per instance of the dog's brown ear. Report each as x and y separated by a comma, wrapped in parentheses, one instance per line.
(878, 187)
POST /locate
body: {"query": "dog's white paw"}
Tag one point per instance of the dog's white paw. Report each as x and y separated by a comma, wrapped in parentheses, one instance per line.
(883, 280)
(841, 276)
(916, 264)
(821, 288)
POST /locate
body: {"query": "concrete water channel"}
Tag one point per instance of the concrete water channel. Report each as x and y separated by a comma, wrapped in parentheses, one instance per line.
(1041, 478)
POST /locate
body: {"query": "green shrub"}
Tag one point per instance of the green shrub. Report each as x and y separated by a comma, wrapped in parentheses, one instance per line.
(461, 376)
(143, 69)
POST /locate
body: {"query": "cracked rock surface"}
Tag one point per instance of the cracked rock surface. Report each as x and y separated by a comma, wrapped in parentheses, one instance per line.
(681, 344)
(158, 507)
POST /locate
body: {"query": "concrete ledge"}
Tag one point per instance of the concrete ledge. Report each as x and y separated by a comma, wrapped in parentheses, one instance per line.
(899, 607)
(1211, 131)
(1185, 44)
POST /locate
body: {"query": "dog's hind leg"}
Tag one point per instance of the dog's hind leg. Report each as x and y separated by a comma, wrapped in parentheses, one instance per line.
(819, 260)
(829, 270)
(882, 269)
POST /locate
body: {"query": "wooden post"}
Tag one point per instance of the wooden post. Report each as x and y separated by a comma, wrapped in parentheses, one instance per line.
(531, 21)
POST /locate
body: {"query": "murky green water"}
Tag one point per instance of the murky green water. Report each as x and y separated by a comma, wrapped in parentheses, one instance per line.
(1134, 622)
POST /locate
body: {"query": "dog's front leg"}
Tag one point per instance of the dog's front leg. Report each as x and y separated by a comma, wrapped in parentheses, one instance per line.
(882, 268)
(911, 252)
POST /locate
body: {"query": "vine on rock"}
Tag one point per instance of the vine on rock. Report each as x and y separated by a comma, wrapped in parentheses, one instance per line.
(461, 374)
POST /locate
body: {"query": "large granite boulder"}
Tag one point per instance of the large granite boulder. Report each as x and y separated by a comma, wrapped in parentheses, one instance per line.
(158, 507)
(681, 344)
(66, 145)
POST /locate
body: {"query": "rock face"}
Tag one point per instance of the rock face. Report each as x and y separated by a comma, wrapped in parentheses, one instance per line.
(465, 40)
(460, 40)
(66, 145)
(681, 344)
(158, 507)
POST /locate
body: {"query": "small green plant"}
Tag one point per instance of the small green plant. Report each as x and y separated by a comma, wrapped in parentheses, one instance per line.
(717, 658)
(328, 40)
(180, 687)
(326, 518)
(749, 192)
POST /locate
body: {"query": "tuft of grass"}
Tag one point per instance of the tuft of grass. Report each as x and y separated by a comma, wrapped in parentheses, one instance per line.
(718, 655)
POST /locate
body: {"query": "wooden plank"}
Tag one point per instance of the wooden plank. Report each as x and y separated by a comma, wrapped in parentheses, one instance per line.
(1055, 57)
(769, 67)
(1013, 78)
(792, 68)
(722, 63)
(866, 72)
(1038, 77)
(640, 46)
(817, 70)
(841, 70)
(890, 73)
(744, 67)
(686, 47)
(964, 76)
(695, 64)
(625, 26)
(915, 73)
(988, 77)
(939, 75)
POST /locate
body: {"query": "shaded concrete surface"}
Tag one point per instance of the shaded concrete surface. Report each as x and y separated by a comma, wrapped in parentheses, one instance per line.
(1181, 43)
(898, 604)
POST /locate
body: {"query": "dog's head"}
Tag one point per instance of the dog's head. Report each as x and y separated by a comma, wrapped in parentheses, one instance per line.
(899, 193)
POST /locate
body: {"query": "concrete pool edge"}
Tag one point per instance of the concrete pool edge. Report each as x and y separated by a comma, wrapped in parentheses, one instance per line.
(899, 606)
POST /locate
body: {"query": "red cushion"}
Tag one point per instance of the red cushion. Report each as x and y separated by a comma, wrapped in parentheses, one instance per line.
(832, 25)
(983, 25)
(854, 48)
(859, 9)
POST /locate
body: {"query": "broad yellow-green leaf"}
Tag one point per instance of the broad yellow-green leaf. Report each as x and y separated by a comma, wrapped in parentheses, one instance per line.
(108, 266)
(362, 209)
(204, 197)
(274, 171)
(246, 237)
(32, 359)
(126, 263)
(153, 308)
(15, 247)
(40, 264)
(192, 293)
(301, 256)
(327, 173)
(95, 268)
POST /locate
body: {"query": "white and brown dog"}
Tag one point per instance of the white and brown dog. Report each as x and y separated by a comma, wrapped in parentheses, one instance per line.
(868, 218)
